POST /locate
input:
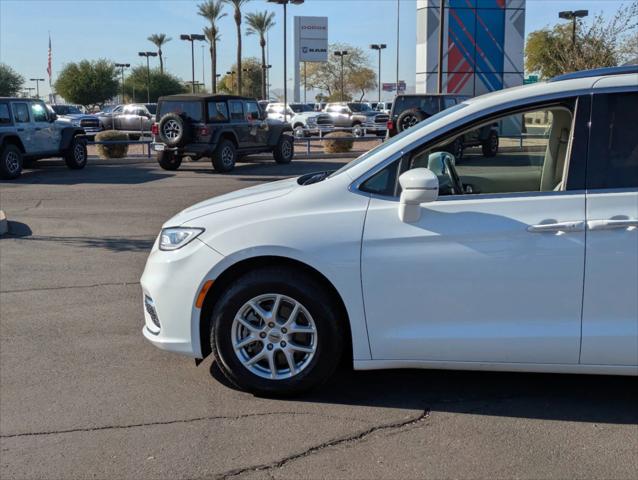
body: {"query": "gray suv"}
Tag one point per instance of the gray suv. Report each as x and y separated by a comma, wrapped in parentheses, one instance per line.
(30, 131)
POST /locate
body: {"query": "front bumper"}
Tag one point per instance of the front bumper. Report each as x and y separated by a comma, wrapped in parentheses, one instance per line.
(375, 128)
(172, 280)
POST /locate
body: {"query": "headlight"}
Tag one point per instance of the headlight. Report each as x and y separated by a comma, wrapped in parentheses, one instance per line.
(175, 238)
(75, 123)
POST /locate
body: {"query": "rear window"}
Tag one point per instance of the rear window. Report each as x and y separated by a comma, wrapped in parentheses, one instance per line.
(429, 105)
(190, 110)
(217, 112)
(236, 110)
(5, 117)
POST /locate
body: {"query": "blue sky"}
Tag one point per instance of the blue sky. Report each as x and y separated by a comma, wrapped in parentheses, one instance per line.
(117, 30)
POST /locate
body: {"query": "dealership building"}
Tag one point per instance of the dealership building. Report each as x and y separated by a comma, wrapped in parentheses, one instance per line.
(483, 42)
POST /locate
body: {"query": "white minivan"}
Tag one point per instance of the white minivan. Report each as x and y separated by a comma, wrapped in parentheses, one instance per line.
(409, 257)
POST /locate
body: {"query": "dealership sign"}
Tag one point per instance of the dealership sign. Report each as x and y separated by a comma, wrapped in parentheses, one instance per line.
(311, 39)
(392, 87)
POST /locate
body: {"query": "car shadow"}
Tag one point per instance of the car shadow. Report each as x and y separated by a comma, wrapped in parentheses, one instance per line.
(113, 244)
(574, 398)
(116, 174)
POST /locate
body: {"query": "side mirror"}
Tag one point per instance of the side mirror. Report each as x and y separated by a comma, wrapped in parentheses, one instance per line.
(53, 117)
(419, 185)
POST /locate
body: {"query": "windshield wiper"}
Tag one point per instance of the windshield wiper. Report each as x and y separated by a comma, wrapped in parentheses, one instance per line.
(314, 177)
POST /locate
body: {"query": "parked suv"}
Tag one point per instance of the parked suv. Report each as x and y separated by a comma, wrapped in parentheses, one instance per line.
(29, 131)
(409, 110)
(359, 117)
(305, 121)
(222, 127)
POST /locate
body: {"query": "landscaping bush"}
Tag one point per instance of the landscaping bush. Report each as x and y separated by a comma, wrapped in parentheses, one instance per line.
(338, 146)
(111, 151)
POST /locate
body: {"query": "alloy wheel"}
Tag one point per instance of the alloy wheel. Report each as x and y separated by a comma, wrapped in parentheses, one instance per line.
(274, 336)
(172, 129)
(12, 162)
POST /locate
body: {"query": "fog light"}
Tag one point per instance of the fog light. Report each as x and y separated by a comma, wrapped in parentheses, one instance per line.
(149, 305)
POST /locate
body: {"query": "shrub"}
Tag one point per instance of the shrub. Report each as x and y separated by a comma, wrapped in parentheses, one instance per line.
(342, 144)
(111, 151)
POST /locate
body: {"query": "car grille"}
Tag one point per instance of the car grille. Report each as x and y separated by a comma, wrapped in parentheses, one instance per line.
(381, 119)
(324, 120)
(90, 123)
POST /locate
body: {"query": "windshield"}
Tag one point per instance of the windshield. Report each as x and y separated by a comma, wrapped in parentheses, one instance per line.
(359, 107)
(400, 136)
(299, 107)
(66, 110)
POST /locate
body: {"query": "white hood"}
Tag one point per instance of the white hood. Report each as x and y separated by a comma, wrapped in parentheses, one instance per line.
(235, 199)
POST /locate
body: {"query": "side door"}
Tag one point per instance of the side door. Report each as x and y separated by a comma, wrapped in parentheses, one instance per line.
(46, 137)
(610, 309)
(24, 126)
(239, 123)
(258, 126)
(495, 276)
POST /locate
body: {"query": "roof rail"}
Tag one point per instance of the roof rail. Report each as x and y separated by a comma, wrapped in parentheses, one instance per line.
(596, 72)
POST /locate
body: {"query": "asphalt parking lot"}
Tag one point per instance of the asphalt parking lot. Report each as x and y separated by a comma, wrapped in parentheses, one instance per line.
(83, 395)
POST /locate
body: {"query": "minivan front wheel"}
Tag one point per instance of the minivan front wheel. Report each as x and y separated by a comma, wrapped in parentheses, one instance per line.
(271, 335)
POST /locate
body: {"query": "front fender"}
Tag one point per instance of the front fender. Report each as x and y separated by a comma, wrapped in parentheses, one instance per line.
(67, 136)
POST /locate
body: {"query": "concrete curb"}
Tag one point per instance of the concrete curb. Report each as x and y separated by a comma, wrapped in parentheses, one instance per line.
(4, 224)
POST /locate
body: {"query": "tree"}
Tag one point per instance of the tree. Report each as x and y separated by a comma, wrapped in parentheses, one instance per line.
(161, 84)
(237, 4)
(259, 24)
(159, 39)
(551, 52)
(251, 82)
(10, 81)
(211, 10)
(326, 77)
(88, 83)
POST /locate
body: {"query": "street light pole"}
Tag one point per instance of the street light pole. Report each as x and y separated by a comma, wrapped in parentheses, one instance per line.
(193, 37)
(148, 72)
(122, 66)
(573, 15)
(379, 47)
(285, 4)
(342, 54)
(37, 85)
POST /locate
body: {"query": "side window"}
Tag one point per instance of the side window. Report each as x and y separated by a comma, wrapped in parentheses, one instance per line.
(236, 110)
(252, 109)
(5, 117)
(217, 112)
(449, 102)
(21, 113)
(613, 145)
(516, 153)
(39, 112)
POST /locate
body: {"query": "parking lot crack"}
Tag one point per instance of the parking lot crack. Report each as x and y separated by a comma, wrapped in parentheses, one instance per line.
(65, 287)
(353, 438)
(167, 422)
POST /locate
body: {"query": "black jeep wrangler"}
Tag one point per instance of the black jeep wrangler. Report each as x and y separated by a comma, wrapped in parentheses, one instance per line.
(221, 127)
(409, 110)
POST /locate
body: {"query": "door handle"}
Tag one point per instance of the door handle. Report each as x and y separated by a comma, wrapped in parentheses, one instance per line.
(20, 129)
(564, 227)
(612, 224)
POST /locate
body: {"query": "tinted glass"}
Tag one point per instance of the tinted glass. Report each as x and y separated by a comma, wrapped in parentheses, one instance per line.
(189, 110)
(359, 107)
(236, 110)
(39, 112)
(252, 109)
(151, 107)
(21, 113)
(429, 105)
(217, 112)
(298, 108)
(613, 150)
(5, 118)
(448, 102)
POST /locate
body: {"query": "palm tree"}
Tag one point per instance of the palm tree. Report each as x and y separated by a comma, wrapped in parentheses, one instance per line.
(259, 24)
(211, 10)
(237, 4)
(159, 39)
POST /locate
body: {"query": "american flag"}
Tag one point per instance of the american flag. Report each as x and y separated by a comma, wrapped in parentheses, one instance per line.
(49, 71)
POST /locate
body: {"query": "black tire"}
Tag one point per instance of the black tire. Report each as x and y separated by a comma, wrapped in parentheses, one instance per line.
(358, 131)
(284, 150)
(299, 131)
(11, 162)
(76, 155)
(225, 156)
(490, 146)
(168, 160)
(299, 287)
(409, 118)
(173, 130)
